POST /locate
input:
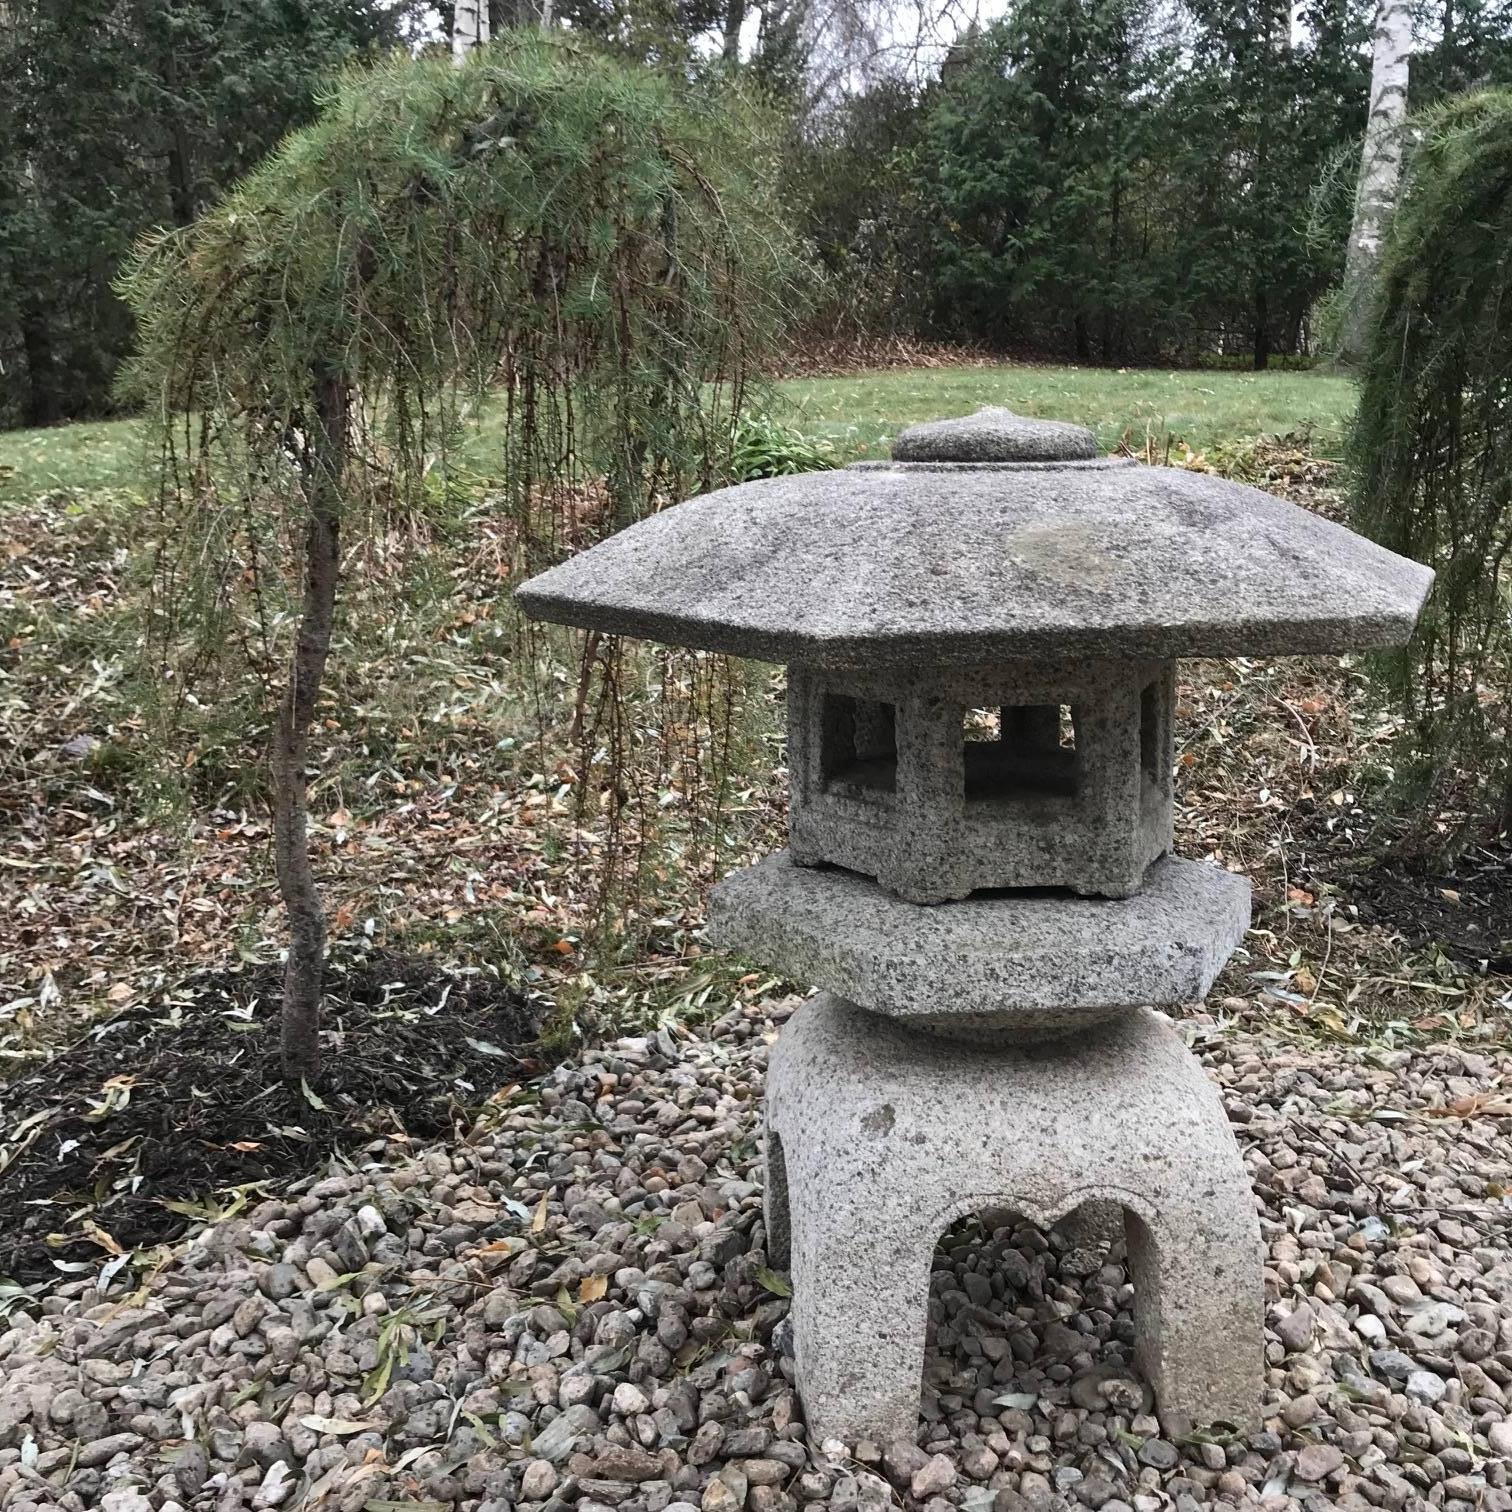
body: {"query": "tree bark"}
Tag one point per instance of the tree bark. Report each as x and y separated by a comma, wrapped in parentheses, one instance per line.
(1115, 229)
(180, 171)
(1380, 171)
(469, 28)
(734, 20)
(324, 467)
(42, 407)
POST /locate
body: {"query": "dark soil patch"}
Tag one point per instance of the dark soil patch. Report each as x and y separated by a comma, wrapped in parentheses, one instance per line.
(154, 1120)
(1466, 911)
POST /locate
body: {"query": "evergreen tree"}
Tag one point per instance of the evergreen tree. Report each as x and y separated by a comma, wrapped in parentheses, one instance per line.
(122, 115)
(1463, 45)
(588, 244)
(1033, 164)
(1119, 181)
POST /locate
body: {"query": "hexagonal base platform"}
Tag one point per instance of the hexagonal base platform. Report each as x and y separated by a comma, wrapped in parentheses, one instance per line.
(1005, 965)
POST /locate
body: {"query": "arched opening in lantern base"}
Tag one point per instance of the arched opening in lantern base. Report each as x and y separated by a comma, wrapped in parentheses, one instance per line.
(1019, 1311)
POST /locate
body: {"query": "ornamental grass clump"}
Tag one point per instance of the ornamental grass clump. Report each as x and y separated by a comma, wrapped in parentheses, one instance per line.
(1432, 453)
(590, 248)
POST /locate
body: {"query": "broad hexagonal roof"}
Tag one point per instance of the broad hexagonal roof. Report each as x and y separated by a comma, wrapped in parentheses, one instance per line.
(953, 563)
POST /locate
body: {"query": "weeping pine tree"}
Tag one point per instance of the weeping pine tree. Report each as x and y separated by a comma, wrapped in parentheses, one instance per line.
(1432, 448)
(592, 249)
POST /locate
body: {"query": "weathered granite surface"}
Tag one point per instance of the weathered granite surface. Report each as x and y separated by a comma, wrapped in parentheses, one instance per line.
(994, 434)
(997, 967)
(896, 566)
(885, 781)
(878, 1139)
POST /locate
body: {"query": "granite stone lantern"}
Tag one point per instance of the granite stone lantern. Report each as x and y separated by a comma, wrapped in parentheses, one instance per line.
(981, 638)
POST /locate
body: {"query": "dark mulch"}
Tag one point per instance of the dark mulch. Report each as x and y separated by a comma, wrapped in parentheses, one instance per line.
(181, 1102)
(1466, 910)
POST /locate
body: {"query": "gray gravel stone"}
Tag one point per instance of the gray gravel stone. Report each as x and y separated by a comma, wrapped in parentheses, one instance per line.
(561, 1436)
(936, 1474)
(186, 1422)
(1316, 1462)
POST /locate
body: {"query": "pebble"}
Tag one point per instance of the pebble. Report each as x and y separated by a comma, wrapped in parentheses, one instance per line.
(1317, 1462)
(1424, 1386)
(936, 1474)
(1159, 1454)
(1295, 1330)
(538, 1481)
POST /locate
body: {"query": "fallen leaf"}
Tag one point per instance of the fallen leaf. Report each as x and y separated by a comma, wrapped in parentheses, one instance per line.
(340, 1426)
(779, 1286)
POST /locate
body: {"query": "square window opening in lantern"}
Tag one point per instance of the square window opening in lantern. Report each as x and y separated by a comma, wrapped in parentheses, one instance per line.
(1019, 752)
(1154, 753)
(1149, 734)
(859, 746)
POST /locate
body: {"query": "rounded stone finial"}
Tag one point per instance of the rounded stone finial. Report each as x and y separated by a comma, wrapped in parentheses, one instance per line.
(994, 434)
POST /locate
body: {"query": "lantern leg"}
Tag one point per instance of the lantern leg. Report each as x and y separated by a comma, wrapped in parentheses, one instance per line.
(860, 1314)
(1199, 1336)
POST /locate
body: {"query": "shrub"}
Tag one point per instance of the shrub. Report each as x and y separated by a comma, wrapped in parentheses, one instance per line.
(765, 448)
(1432, 451)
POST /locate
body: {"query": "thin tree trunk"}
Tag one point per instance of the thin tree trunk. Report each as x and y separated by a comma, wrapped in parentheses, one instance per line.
(305, 968)
(180, 159)
(1115, 229)
(1262, 331)
(734, 20)
(469, 28)
(1380, 170)
(42, 406)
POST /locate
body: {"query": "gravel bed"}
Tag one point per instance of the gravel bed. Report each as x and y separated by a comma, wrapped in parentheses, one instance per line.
(573, 1309)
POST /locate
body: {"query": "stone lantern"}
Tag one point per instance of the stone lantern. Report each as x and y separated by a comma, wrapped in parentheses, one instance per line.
(981, 638)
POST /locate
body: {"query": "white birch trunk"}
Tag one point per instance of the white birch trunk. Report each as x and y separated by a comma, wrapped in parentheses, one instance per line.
(1380, 170)
(469, 28)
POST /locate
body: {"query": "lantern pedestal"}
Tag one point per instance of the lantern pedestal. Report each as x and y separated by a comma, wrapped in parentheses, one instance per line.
(879, 1137)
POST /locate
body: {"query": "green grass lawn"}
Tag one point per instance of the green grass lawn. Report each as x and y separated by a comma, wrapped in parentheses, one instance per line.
(859, 415)
(90, 455)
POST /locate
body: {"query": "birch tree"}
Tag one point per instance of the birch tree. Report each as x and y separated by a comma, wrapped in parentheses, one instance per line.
(1380, 170)
(469, 28)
